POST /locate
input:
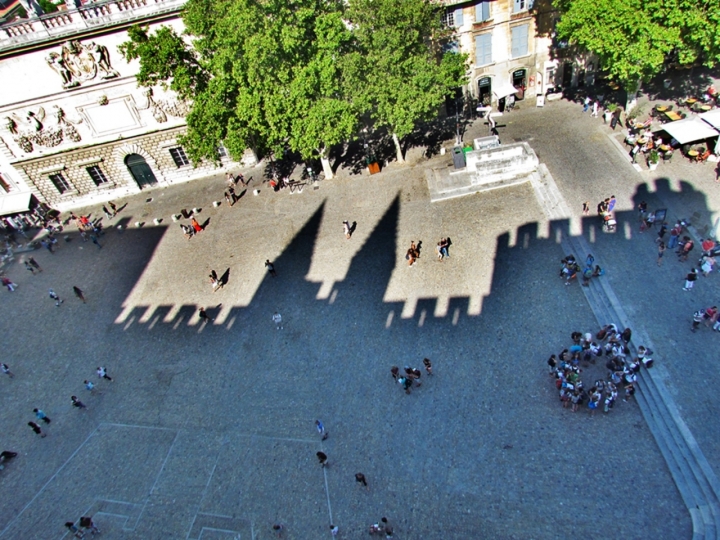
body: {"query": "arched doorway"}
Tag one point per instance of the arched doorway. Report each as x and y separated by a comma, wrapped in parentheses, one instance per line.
(484, 91)
(140, 170)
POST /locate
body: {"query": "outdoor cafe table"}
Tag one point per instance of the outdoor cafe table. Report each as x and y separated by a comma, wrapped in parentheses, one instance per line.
(672, 115)
(693, 154)
(690, 101)
(664, 148)
(661, 108)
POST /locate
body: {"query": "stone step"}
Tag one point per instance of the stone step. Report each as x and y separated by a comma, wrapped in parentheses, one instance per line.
(695, 479)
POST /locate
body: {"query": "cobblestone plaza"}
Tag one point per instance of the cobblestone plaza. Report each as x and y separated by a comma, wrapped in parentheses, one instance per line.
(207, 431)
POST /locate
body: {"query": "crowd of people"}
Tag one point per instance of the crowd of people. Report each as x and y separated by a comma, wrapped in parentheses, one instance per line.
(611, 344)
(571, 268)
(410, 376)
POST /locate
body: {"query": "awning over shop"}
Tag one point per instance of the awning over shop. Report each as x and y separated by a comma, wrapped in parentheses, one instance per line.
(14, 203)
(506, 89)
(712, 118)
(689, 130)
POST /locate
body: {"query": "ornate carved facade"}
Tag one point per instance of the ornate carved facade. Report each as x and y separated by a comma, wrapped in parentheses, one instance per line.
(87, 131)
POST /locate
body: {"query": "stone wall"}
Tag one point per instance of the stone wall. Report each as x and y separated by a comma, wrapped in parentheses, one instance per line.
(110, 159)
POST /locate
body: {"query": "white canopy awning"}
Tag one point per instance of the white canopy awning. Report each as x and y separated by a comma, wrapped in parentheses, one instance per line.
(14, 203)
(689, 130)
(712, 118)
(505, 89)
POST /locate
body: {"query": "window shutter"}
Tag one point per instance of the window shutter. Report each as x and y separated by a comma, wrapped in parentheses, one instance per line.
(483, 49)
(519, 40)
(482, 11)
(518, 5)
(458, 17)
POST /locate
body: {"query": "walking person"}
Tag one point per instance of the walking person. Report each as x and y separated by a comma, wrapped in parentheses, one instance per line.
(77, 533)
(360, 479)
(586, 104)
(40, 415)
(90, 386)
(346, 229)
(95, 241)
(661, 252)
(322, 458)
(270, 267)
(86, 522)
(595, 109)
(278, 529)
(214, 281)
(395, 371)
(78, 292)
(204, 317)
(6, 370)
(586, 208)
(321, 430)
(113, 208)
(34, 264)
(55, 297)
(36, 429)
(428, 366)
(277, 319)
(334, 530)
(690, 280)
(196, 225)
(77, 403)
(29, 267)
(107, 213)
(102, 373)
(9, 284)
(698, 317)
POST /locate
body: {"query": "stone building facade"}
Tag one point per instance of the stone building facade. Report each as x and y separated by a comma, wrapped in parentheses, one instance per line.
(74, 126)
(509, 44)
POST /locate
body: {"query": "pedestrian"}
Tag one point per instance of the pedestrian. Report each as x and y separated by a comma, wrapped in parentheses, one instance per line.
(346, 229)
(626, 335)
(611, 203)
(360, 479)
(642, 209)
(204, 317)
(7, 455)
(686, 248)
(6, 370)
(388, 528)
(55, 297)
(90, 386)
(661, 232)
(277, 319)
(394, 371)
(78, 292)
(711, 315)
(7, 283)
(586, 208)
(34, 264)
(406, 383)
(270, 267)
(444, 245)
(36, 429)
(47, 245)
(214, 281)
(77, 533)
(41, 416)
(77, 403)
(95, 241)
(113, 208)
(690, 280)
(333, 530)
(661, 252)
(410, 256)
(595, 109)
(586, 104)
(86, 522)
(107, 213)
(322, 458)
(428, 366)
(321, 429)
(195, 225)
(278, 529)
(698, 317)
(228, 198)
(102, 373)
(674, 236)
(629, 392)
(29, 267)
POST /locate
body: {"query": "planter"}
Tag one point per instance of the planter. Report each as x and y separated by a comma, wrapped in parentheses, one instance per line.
(652, 166)
(374, 168)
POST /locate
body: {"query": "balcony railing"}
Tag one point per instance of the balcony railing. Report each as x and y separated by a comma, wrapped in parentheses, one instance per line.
(87, 17)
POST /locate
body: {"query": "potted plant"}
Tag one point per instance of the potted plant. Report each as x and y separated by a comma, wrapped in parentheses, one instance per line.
(653, 159)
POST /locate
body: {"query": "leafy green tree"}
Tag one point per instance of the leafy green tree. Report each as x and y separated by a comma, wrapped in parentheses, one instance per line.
(398, 69)
(265, 75)
(633, 39)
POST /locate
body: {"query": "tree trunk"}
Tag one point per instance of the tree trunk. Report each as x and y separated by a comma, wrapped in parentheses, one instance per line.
(398, 149)
(632, 98)
(325, 160)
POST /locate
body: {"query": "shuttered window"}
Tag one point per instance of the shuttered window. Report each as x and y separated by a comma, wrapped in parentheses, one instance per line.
(519, 40)
(482, 11)
(483, 49)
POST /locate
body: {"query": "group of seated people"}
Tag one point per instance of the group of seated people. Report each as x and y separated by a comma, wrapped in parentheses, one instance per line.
(622, 369)
(571, 268)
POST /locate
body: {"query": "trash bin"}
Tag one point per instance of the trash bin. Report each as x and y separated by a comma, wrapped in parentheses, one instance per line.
(458, 157)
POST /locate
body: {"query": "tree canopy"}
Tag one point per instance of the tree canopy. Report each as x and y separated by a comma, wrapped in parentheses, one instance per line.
(297, 74)
(634, 39)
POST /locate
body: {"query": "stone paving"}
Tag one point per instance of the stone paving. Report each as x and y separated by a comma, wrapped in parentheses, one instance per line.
(207, 430)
